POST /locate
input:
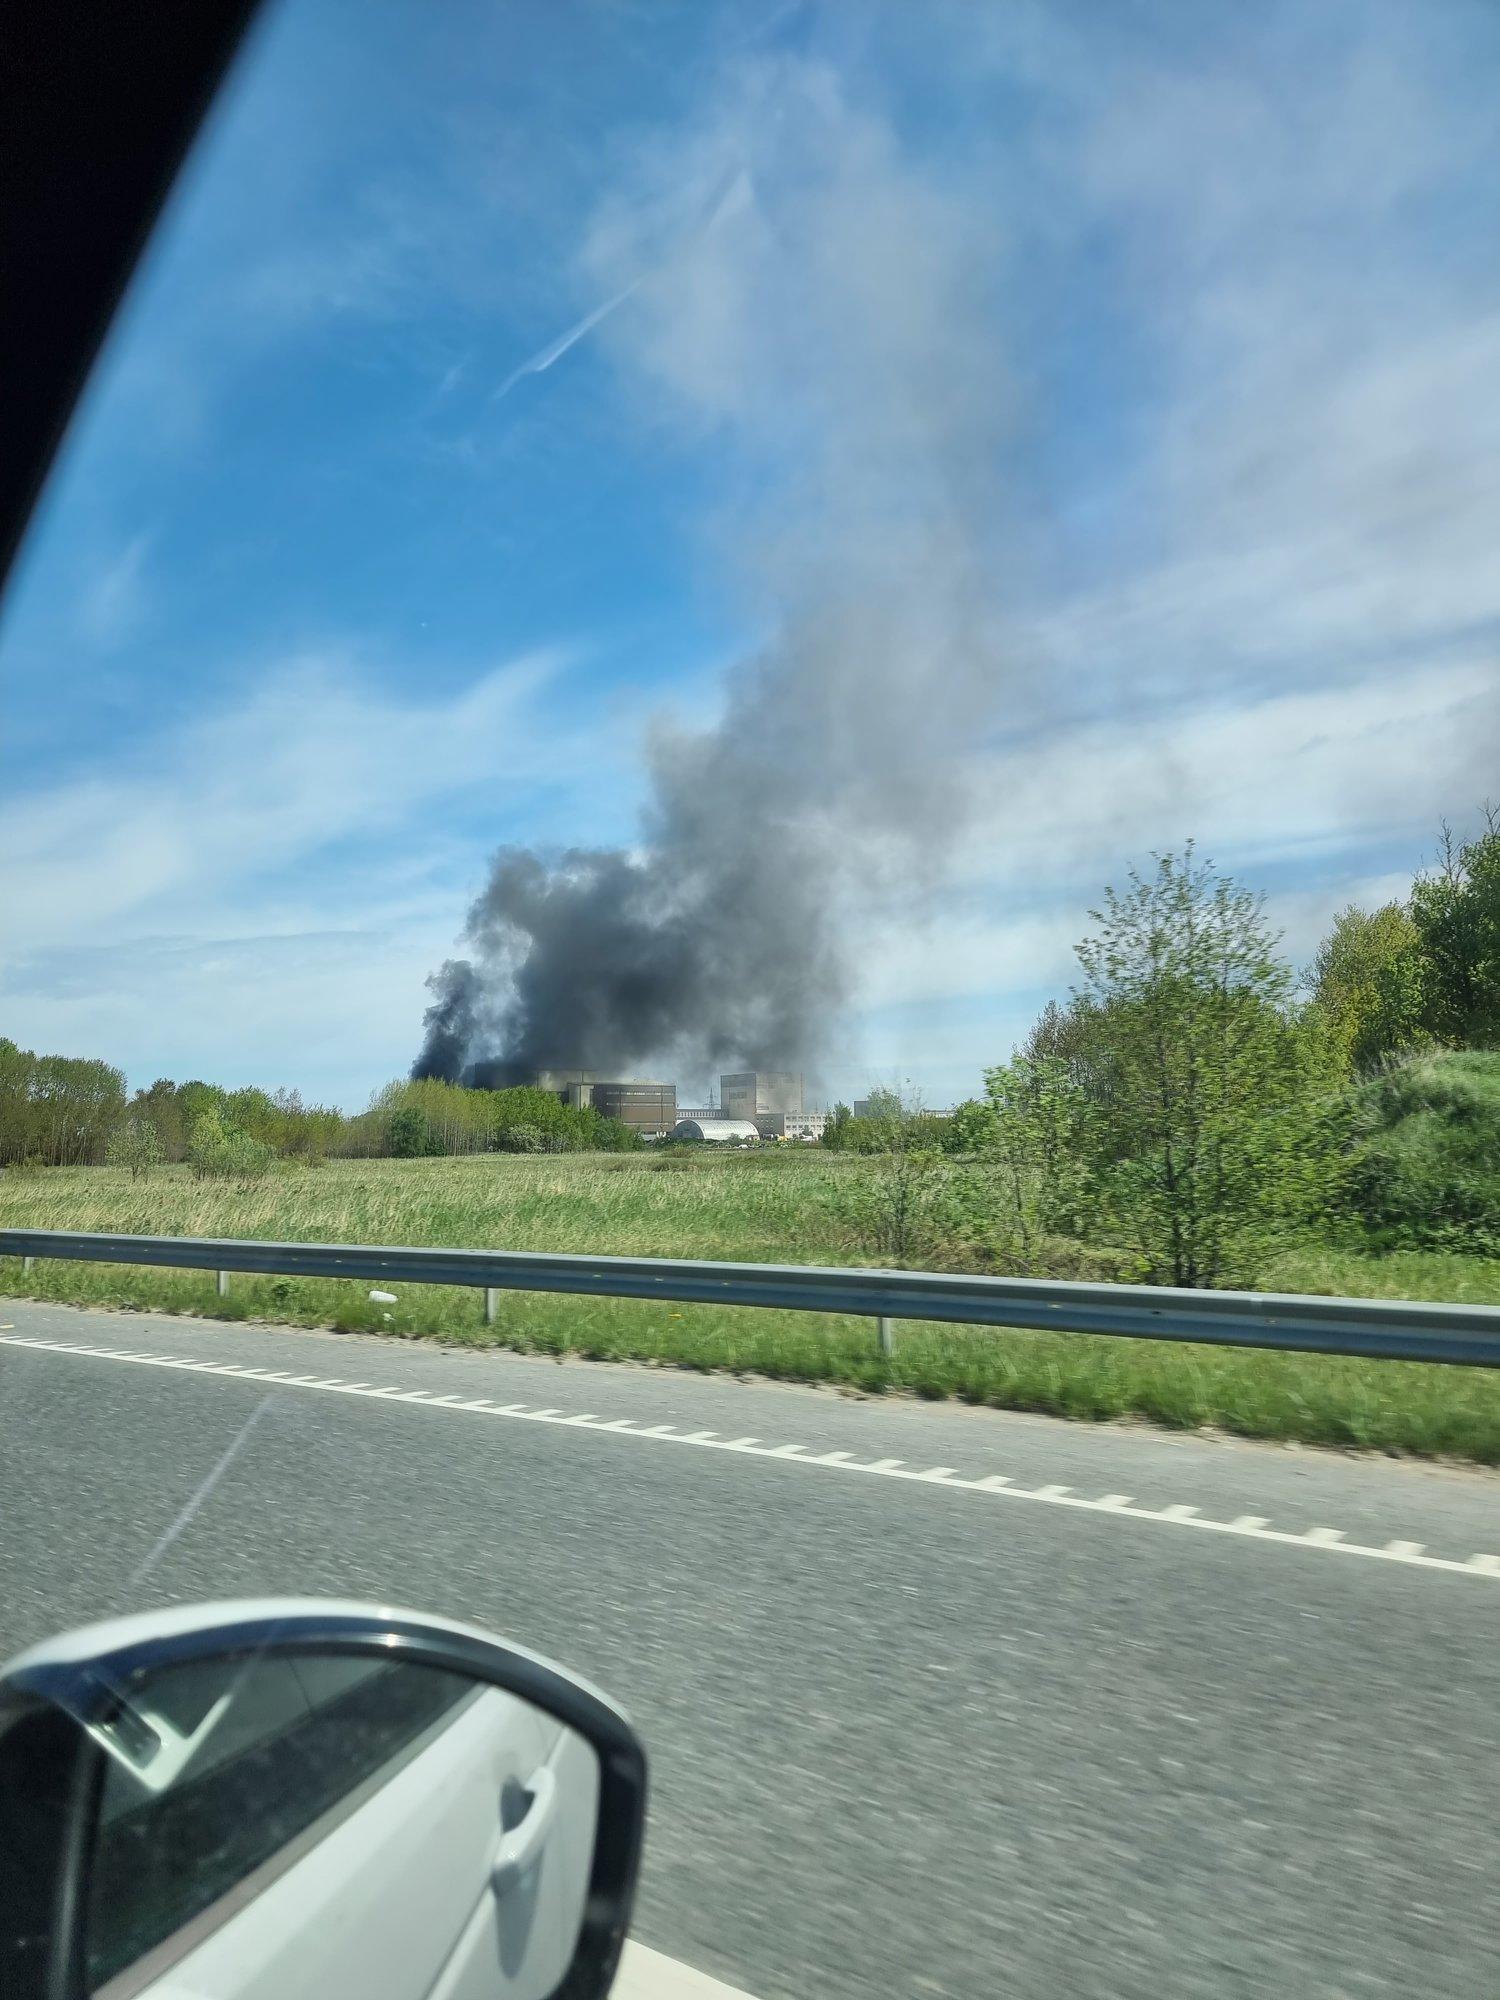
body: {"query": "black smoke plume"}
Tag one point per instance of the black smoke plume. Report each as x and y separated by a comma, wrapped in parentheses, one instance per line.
(835, 329)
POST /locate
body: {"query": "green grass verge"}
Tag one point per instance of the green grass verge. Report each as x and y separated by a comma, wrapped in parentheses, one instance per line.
(741, 1208)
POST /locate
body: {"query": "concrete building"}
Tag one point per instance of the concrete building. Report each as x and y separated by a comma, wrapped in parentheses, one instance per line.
(748, 1093)
(716, 1131)
(806, 1126)
(645, 1107)
(494, 1075)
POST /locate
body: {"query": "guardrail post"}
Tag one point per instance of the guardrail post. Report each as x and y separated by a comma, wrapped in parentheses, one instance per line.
(491, 1300)
(27, 1264)
(887, 1329)
(221, 1284)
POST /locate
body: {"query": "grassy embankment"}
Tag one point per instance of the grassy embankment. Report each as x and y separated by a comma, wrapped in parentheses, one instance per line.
(763, 1207)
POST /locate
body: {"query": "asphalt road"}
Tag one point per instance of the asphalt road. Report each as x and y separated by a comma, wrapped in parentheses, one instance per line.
(914, 1731)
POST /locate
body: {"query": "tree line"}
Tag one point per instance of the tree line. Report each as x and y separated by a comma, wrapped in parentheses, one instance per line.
(1192, 1102)
(60, 1111)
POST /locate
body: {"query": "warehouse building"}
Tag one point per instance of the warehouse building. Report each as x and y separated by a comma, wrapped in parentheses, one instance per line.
(716, 1131)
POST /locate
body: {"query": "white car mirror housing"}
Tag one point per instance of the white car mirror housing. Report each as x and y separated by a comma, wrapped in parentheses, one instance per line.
(282, 1799)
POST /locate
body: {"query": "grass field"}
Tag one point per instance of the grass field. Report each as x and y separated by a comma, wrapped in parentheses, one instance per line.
(763, 1207)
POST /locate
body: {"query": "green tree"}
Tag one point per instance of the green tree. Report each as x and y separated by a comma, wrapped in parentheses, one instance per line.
(406, 1135)
(135, 1144)
(1207, 1091)
(219, 1150)
(1367, 982)
(836, 1129)
(1456, 913)
(162, 1106)
(1036, 1141)
(899, 1207)
(18, 1139)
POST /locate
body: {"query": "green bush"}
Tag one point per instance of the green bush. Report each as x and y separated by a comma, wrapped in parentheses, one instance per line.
(1423, 1170)
(220, 1151)
(519, 1139)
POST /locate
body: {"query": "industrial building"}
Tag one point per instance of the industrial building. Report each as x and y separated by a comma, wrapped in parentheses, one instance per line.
(770, 1103)
(774, 1099)
(645, 1107)
(807, 1126)
(716, 1131)
(750, 1093)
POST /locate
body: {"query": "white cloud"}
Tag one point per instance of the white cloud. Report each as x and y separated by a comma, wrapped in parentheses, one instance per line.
(1292, 792)
(261, 892)
(1286, 778)
(312, 757)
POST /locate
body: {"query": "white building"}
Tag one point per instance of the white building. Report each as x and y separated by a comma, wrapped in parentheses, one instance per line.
(716, 1131)
(806, 1126)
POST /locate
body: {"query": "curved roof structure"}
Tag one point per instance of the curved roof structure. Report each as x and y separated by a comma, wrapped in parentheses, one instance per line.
(714, 1129)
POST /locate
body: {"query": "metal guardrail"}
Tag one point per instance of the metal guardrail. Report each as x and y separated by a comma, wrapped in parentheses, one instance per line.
(1385, 1329)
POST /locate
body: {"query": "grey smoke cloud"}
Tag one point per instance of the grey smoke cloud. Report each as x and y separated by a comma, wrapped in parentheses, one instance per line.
(834, 334)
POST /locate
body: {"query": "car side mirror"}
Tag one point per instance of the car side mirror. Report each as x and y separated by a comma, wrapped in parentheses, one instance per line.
(289, 1800)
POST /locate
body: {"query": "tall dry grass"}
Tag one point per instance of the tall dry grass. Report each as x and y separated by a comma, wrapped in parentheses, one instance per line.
(760, 1207)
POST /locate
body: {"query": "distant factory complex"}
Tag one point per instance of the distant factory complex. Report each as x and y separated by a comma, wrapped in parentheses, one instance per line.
(753, 1104)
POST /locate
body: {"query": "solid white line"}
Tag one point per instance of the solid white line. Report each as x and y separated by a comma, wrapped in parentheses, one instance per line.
(1249, 1527)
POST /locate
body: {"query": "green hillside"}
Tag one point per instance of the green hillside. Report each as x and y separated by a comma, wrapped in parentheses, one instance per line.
(1424, 1172)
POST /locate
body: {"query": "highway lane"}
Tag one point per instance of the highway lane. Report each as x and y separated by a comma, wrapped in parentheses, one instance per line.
(908, 1737)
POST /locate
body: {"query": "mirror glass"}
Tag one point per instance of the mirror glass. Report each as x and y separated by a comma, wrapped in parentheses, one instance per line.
(444, 1817)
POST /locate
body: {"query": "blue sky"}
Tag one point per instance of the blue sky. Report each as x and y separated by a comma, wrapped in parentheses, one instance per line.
(359, 564)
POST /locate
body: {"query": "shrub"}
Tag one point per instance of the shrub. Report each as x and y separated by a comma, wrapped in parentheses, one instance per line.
(135, 1144)
(519, 1139)
(218, 1150)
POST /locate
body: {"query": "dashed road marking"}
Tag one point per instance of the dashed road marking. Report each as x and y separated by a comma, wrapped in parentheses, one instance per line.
(1250, 1527)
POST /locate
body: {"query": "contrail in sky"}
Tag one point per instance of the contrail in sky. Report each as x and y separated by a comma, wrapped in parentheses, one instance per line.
(542, 360)
(727, 201)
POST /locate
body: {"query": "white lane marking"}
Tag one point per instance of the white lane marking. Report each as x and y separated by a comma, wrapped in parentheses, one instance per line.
(1251, 1527)
(646, 1975)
